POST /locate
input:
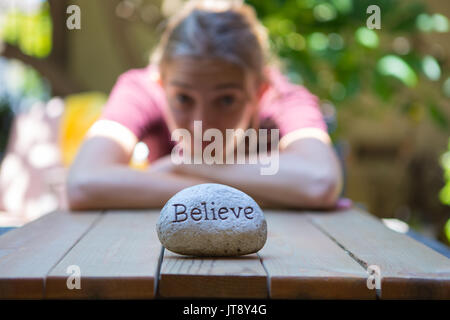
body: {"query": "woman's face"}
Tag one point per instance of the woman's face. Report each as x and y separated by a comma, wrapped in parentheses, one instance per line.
(210, 90)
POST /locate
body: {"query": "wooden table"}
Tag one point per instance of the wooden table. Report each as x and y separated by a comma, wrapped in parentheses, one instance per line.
(307, 255)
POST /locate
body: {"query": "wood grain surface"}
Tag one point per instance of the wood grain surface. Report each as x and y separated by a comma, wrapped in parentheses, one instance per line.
(303, 263)
(28, 253)
(308, 255)
(409, 269)
(235, 277)
(118, 259)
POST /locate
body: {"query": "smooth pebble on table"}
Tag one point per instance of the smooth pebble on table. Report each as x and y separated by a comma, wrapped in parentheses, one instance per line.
(212, 220)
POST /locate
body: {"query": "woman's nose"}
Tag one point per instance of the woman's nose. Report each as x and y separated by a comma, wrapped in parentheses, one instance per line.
(199, 114)
(198, 126)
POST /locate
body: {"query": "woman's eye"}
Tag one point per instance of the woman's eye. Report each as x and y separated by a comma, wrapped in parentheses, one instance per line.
(183, 99)
(226, 101)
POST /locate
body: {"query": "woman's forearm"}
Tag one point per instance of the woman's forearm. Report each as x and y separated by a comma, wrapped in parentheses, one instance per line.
(308, 175)
(285, 189)
(299, 182)
(119, 186)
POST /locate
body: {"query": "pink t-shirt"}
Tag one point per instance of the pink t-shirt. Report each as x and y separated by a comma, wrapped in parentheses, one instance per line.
(137, 101)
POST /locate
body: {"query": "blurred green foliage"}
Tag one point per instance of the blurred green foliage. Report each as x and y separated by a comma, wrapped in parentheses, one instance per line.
(447, 230)
(26, 24)
(445, 163)
(30, 31)
(325, 45)
(444, 195)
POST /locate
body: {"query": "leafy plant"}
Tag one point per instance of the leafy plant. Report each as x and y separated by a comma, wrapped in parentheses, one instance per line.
(27, 25)
(444, 195)
(325, 45)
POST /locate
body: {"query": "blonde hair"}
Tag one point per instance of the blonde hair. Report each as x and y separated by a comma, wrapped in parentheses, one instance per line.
(225, 29)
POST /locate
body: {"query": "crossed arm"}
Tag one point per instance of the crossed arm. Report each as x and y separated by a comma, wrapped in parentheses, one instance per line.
(309, 174)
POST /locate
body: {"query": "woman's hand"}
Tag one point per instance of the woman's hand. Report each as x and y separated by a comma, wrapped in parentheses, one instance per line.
(162, 165)
(97, 181)
(309, 176)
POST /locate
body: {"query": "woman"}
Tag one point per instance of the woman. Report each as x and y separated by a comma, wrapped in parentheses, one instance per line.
(210, 66)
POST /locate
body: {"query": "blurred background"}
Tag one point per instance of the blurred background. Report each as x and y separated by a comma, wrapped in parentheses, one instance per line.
(384, 93)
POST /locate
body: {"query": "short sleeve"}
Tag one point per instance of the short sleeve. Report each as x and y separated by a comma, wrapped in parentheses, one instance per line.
(290, 106)
(131, 103)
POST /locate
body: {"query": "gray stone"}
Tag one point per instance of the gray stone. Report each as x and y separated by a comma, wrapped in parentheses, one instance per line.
(212, 220)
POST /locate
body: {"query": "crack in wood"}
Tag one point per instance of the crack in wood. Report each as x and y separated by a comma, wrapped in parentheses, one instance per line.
(158, 273)
(360, 261)
(268, 285)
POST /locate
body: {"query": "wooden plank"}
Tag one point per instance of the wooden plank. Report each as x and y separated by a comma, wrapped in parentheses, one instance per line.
(118, 259)
(200, 277)
(409, 269)
(28, 253)
(303, 263)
